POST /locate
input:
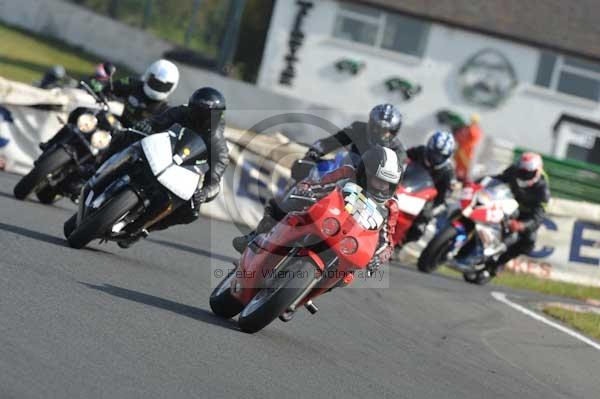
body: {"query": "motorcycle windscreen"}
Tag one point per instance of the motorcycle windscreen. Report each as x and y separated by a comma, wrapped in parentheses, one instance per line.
(189, 146)
(180, 181)
(157, 149)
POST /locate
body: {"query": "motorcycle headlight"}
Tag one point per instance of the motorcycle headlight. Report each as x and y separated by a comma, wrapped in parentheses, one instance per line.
(330, 227)
(86, 123)
(101, 139)
(349, 245)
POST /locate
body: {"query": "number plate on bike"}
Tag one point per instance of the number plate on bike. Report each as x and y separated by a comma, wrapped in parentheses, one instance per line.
(364, 210)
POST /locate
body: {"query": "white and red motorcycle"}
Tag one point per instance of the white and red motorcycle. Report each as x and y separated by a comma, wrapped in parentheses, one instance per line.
(474, 235)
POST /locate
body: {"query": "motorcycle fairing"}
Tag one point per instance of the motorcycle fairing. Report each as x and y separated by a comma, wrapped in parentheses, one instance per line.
(410, 204)
(158, 150)
(272, 249)
(180, 181)
(187, 145)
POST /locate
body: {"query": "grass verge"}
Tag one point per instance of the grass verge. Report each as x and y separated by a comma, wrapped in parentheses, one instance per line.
(544, 286)
(587, 323)
(26, 56)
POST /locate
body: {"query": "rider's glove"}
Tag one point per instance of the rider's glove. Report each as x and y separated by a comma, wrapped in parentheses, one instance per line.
(143, 126)
(206, 194)
(304, 189)
(200, 197)
(516, 226)
(314, 154)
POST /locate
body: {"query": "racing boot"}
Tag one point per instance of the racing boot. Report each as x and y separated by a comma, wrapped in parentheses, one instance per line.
(265, 225)
(132, 239)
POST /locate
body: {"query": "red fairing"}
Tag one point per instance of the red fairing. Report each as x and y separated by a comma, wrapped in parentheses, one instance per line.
(467, 194)
(274, 247)
(479, 215)
(405, 220)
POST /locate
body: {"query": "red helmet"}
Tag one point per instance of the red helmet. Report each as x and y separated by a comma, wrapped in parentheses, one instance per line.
(529, 169)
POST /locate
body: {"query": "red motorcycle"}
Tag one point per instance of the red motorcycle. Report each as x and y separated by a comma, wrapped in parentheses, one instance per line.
(475, 234)
(305, 255)
(416, 190)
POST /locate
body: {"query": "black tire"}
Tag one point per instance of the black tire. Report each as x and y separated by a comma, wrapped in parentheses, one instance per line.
(70, 225)
(45, 165)
(222, 303)
(47, 195)
(103, 219)
(434, 253)
(279, 293)
(478, 278)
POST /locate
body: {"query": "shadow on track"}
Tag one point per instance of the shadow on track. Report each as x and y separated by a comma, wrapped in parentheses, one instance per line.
(8, 195)
(197, 251)
(56, 205)
(36, 235)
(165, 304)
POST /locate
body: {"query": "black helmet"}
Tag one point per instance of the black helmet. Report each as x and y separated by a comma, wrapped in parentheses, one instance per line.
(207, 104)
(379, 172)
(384, 120)
(207, 98)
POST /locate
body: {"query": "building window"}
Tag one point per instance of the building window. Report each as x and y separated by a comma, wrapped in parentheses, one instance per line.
(569, 75)
(381, 29)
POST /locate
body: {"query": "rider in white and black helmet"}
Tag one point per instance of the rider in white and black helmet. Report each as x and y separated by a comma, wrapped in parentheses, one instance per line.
(145, 96)
(378, 174)
(382, 128)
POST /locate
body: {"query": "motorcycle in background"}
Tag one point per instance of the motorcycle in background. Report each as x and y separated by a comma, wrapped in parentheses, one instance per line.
(414, 192)
(139, 186)
(476, 234)
(305, 255)
(73, 155)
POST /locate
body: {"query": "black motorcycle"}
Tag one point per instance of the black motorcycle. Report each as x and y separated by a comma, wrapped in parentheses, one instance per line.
(72, 155)
(139, 186)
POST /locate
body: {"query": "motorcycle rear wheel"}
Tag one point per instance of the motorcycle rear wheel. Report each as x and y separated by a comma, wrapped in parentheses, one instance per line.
(222, 303)
(433, 254)
(100, 221)
(45, 165)
(279, 292)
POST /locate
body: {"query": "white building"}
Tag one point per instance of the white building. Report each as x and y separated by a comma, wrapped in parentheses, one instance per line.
(480, 57)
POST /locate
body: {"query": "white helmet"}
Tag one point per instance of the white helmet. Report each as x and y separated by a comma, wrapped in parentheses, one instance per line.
(160, 80)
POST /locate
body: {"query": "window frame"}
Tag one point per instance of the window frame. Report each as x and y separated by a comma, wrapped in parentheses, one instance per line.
(381, 23)
(561, 66)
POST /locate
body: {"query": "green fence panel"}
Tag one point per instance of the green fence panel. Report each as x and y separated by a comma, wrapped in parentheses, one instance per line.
(571, 179)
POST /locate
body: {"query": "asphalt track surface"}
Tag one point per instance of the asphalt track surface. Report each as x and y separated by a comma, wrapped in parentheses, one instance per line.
(106, 322)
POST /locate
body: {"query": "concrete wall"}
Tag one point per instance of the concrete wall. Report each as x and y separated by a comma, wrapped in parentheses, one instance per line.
(526, 117)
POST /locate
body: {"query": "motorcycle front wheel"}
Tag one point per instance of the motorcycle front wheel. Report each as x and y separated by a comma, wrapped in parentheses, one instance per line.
(96, 224)
(435, 252)
(481, 277)
(47, 164)
(222, 303)
(279, 292)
